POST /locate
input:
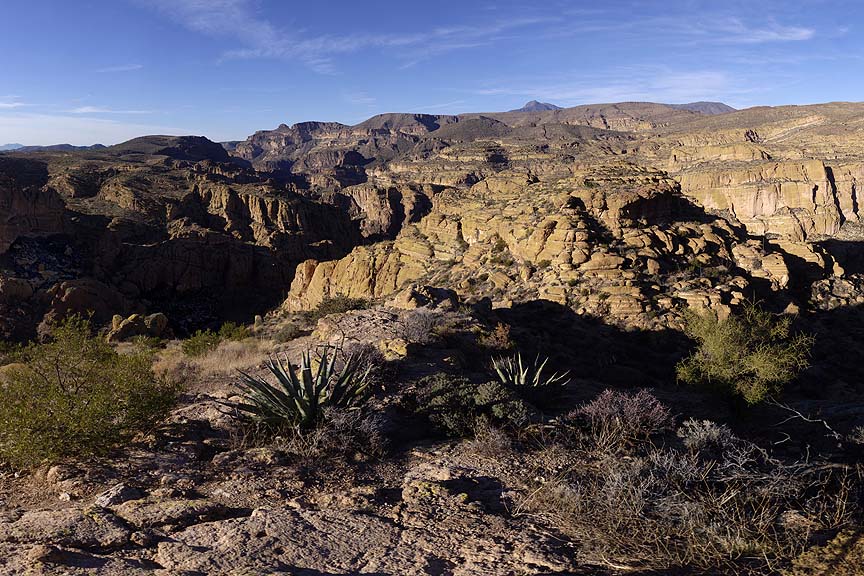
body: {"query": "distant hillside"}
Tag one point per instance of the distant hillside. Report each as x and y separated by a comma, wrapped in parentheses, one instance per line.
(710, 108)
(7, 147)
(535, 106)
(58, 148)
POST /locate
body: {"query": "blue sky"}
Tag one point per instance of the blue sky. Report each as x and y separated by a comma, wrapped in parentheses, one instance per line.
(88, 71)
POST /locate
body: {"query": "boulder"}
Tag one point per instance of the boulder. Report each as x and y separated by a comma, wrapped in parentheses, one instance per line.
(154, 326)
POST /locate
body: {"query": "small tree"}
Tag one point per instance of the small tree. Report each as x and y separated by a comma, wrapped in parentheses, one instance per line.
(752, 355)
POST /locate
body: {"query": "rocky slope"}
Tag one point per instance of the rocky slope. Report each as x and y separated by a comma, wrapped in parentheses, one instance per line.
(157, 224)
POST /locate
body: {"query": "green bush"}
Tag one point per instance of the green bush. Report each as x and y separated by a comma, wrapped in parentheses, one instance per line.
(336, 305)
(752, 355)
(455, 405)
(233, 331)
(300, 401)
(201, 342)
(148, 343)
(75, 396)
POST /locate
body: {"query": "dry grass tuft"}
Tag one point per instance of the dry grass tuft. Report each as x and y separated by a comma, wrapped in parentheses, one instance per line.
(230, 356)
(224, 360)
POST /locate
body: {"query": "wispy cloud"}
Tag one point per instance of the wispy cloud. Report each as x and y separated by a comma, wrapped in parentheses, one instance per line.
(360, 98)
(100, 110)
(734, 31)
(441, 106)
(259, 38)
(11, 101)
(714, 26)
(120, 68)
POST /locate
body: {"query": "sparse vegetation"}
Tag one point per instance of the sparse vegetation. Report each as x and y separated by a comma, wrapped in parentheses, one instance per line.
(204, 341)
(287, 333)
(527, 380)
(615, 420)
(457, 406)
(721, 505)
(498, 340)
(233, 332)
(201, 342)
(752, 355)
(338, 304)
(418, 326)
(74, 395)
(299, 401)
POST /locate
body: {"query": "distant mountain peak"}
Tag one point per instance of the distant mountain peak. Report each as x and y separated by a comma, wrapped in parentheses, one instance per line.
(7, 147)
(709, 108)
(535, 106)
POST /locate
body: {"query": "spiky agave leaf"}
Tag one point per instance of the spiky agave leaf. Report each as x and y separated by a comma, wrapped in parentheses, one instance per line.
(512, 371)
(299, 399)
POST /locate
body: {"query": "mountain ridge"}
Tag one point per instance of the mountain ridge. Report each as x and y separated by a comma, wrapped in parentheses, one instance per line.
(536, 106)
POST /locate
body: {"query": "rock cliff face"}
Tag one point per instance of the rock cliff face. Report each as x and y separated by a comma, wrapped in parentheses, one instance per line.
(26, 209)
(164, 223)
(627, 211)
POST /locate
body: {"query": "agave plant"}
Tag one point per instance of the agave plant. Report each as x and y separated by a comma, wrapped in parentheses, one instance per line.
(513, 372)
(300, 399)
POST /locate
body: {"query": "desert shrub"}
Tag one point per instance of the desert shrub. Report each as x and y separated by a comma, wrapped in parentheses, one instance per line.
(151, 343)
(300, 401)
(456, 406)
(370, 360)
(74, 395)
(233, 332)
(498, 244)
(752, 355)
(528, 380)
(489, 441)
(287, 333)
(615, 420)
(357, 431)
(204, 341)
(418, 326)
(9, 352)
(201, 342)
(857, 436)
(733, 512)
(498, 339)
(336, 305)
(346, 434)
(705, 436)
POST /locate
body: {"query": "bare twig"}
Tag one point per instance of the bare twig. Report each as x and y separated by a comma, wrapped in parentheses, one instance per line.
(798, 415)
